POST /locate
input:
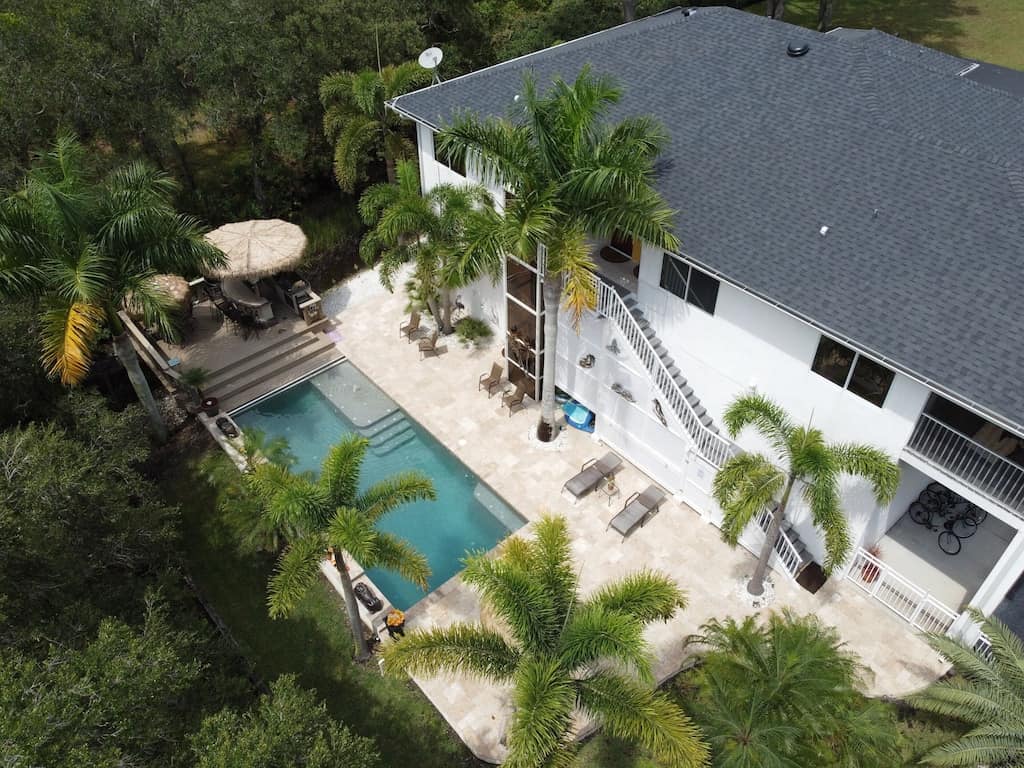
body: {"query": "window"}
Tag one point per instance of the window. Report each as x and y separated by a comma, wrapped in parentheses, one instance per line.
(851, 370)
(689, 283)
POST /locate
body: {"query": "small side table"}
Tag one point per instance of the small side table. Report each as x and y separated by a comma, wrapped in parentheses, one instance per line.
(610, 490)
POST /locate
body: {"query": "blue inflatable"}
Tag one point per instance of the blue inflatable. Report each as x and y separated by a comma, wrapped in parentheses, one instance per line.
(579, 417)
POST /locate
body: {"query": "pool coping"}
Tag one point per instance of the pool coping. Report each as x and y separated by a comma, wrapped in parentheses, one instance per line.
(444, 587)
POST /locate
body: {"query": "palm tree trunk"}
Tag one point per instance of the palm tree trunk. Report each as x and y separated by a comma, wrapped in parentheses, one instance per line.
(446, 310)
(552, 298)
(756, 585)
(125, 352)
(825, 14)
(629, 10)
(389, 166)
(435, 311)
(354, 622)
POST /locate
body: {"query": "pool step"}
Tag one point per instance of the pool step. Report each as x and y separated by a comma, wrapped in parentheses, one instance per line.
(400, 440)
(393, 437)
(382, 424)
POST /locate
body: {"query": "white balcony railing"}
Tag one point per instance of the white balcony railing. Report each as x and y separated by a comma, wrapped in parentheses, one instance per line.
(990, 474)
(911, 603)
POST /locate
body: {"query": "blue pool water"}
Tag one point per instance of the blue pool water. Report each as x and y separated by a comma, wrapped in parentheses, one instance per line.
(467, 515)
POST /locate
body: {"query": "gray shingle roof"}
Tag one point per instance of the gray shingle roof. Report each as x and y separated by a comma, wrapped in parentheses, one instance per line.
(918, 173)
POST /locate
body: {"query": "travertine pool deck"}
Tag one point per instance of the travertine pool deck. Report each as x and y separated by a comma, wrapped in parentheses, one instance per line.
(441, 392)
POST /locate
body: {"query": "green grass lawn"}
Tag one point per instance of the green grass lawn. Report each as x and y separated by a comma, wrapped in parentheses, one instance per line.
(989, 30)
(314, 644)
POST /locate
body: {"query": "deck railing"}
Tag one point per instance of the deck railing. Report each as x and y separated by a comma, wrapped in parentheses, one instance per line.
(911, 603)
(711, 445)
(990, 474)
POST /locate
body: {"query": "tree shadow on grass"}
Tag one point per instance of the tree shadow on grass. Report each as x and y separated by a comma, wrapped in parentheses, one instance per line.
(936, 23)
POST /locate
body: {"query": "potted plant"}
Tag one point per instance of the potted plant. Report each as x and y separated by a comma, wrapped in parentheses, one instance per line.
(869, 571)
(192, 381)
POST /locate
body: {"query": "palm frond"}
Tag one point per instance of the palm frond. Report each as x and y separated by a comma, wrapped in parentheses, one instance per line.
(570, 258)
(339, 473)
(594, 633)
(551, 561)
(745, 486)
(457, 649)
(821, 493)
(544, 703)
(347, 529)
(516, 596)
(389, 494)
(68, 334)
(144, 296)
(352, 148)
(297, 571)
(645, 595)
(873, 464)
(398, 555)
(502, 148)
(631, 711)
(765, 415)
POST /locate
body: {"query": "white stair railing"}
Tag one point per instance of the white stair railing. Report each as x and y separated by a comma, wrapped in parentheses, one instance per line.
(907, 600)
(712, 446)
(785, 550)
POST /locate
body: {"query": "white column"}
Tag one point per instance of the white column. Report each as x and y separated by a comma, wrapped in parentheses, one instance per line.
(1002, 577)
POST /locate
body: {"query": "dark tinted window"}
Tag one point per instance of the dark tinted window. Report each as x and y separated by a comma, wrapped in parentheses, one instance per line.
(673, 275)
(703, 291)
(833, 361)
(871, 380)
(688, 283)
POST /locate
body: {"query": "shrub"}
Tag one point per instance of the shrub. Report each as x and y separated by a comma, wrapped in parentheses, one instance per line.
(470, 330)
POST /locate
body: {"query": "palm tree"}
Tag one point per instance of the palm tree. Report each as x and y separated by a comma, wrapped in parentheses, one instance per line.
(359, 123)
(90, 247)
(987, 693)
(786, 694)
(428, 230)
(330, 512)
(751, 483)
(573, 173)
(561, 654)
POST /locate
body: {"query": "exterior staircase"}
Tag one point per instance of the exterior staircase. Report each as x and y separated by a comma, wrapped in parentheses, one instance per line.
(286, 359)
(677, 376)
(620, 305)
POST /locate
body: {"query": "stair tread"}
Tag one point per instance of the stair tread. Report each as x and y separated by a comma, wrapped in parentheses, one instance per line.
(235, 371)
(310, 360)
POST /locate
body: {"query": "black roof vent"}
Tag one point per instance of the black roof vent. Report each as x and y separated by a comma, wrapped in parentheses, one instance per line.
(797, 49)
(689, 11)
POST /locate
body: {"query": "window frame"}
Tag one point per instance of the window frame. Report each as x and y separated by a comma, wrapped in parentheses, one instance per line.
(855, 360)
(687, 279)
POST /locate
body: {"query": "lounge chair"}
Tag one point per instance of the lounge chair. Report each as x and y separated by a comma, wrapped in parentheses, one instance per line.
(514, 401)
(408, 329)
(637, 509)
(592, 473)
(490, 380)
(429, 346)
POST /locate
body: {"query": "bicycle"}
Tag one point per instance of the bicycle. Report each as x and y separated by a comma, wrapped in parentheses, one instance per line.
(962, 524)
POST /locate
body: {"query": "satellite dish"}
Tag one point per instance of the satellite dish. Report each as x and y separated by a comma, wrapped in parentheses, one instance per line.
(430, 58)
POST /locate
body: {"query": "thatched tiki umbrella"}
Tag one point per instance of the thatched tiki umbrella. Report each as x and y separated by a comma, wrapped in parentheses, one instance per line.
(258, 248)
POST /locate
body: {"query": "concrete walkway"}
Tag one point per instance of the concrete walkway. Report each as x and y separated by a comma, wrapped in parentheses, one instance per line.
(441, 393)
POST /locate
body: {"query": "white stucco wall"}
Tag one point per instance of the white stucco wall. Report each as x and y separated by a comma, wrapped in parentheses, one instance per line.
(484, 299)
(749, 343)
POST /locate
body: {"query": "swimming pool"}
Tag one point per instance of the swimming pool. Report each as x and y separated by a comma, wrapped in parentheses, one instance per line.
(467, 515)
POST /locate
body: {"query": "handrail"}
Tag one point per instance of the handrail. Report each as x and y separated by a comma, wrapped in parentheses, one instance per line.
(712, 446)
(784, 547)
(992, 475)
(907, 600)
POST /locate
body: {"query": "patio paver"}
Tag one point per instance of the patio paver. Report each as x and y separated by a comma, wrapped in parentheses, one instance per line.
(441, 393)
